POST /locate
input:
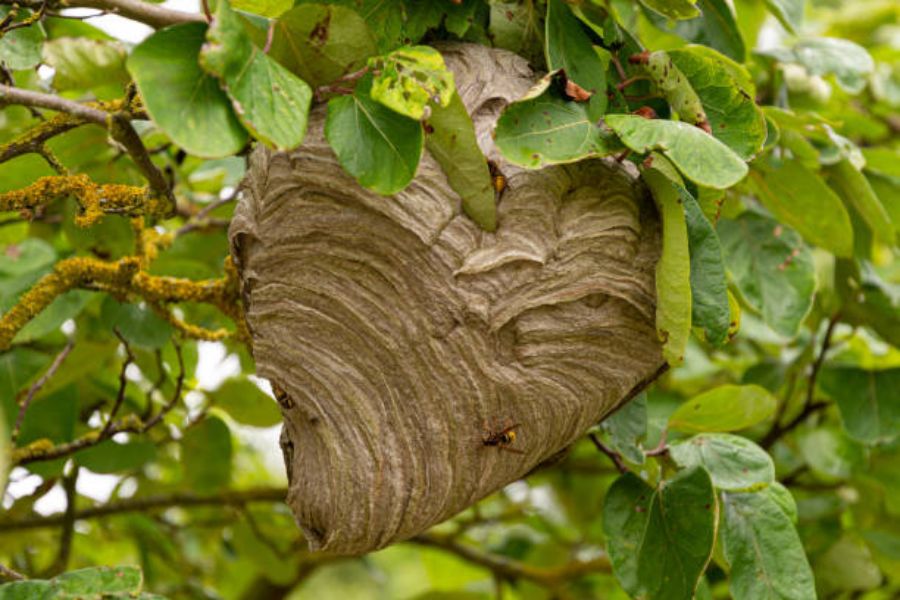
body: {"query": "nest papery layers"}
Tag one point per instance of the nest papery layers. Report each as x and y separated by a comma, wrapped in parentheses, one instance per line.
(402, 335)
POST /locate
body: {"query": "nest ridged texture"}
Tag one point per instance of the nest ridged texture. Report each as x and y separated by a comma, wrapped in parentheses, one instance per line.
(402, 335)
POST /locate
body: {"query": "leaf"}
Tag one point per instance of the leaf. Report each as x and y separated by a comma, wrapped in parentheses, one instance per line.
(451, 141)
(265, 8)
(138, 324)
(31, 255)
(783, 498)
(246, 403)
(766, 557)
(849, 62)
(408, 79)
(734, 463)
(270, 101)
(709, 288)
(85, 64)
(699, 156)
(17, 367)
(206, 455)
(673, 278)
(517, 27)
(856, 192)
(727, 93)
(377, 146)
(771, 267)
(569, 48)
(385, 17)
(182, 100)
(113, 457)
(724, 408)
(788, 12)
(543, 128)
(801, 199)
(21, 48)
(95, 582)
(64, 307)
(868, 300)
(660, 541)
(868, 401)
(715, 28)
(673, 9)
(831, 455)
(671, 82)
(320, 43)
(627, 428)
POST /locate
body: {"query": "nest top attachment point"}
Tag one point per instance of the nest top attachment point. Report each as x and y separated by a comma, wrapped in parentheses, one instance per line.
(421, 363)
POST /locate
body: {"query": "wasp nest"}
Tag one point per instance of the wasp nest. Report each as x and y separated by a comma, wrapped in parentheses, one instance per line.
(403, 341)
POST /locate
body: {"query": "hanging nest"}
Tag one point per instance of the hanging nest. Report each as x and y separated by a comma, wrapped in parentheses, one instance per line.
(402, 340)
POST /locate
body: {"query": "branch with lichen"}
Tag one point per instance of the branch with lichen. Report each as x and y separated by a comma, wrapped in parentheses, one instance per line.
(94, 199)
(122, 278)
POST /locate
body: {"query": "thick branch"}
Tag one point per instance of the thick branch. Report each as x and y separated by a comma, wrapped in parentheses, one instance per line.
(13, 95)
(151, 503)
(144, 12)
(508, 568)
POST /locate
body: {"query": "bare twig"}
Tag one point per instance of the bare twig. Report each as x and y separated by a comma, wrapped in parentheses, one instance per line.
(810, 406)
(10, 575)
(614, 456)
(68, 526)
(37, 385)
(151, 503)
(512, 569)
(12, 95)
(123, 384)
(144, 12)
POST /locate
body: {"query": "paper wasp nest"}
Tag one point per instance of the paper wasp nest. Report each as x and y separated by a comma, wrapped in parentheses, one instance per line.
(398, 330)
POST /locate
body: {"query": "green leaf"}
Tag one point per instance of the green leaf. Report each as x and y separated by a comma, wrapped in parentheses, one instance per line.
(673, 9)
(724, 408)
(5, 449)
(517, 27)
(771, 267)
(627, 428)
(788, 12)
(831, 455)
(386, 18)
(451, 141)
(30, 256)
(186, 103)
(868, 401)
(246, 403)
(675, 87)
(727, 93)
(673, 277)
(206, 455)
(660, 541)
(64, 307)
(270, 101)
(849, 62)
(569, 48)
(715, 28)
(21, 48)
(543, 128)
(699, 156)
(85, 64)
(113, 457)
(734, 463)
(766, 556)
(320, 43)
(95, 582)
(17, 367)
(51, 416)
(377, 146)
(868, 300)
(783, 498)
(137, 324)
(408, 79)
(801, 199)
(856, 192)
(709, 288)
(265, 8)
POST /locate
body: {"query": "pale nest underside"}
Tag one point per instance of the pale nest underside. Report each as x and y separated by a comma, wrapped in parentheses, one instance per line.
(398, 329)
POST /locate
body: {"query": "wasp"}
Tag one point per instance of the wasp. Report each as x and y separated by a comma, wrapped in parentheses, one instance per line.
(498, 179)
(502, 439)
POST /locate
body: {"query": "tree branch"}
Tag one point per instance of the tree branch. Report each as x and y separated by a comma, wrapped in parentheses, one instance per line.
(13, 95)
(507, 568)
(151, 503)
(614, 456)
(10, 575)
(35, 388)
(144, 12)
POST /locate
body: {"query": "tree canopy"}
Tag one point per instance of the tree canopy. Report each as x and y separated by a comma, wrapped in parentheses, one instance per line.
(138, 452)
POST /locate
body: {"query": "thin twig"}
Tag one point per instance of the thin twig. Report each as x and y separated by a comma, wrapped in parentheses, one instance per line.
(144, 12)
(614, 456)
(13, 95)
(176, 395)
(151, 503)
(123, 384)
(37, 385)
(661, 448)
(68, 526)
(10, 575)
(810, 406)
